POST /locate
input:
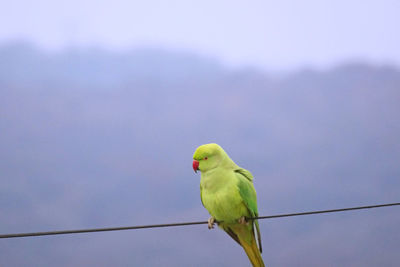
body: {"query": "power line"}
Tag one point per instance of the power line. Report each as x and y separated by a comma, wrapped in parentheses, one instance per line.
(327, 211)
(63, 232)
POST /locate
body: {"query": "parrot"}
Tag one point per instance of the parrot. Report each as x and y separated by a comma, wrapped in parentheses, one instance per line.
(227, 192)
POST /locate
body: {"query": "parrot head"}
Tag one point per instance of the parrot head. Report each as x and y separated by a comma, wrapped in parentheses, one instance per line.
(207, 157)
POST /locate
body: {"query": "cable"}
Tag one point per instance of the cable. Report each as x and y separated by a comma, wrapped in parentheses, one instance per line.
(186, 223)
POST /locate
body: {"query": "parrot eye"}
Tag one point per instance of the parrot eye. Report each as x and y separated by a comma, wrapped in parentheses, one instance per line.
(205, 158)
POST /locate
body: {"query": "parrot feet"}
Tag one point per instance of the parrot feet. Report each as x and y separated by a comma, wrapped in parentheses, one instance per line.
(242, 220)
(211, 222)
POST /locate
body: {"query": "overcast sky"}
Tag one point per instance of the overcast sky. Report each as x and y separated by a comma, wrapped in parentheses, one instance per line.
(276, 35)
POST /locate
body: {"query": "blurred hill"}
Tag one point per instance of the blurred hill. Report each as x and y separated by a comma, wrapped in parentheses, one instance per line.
(93, 138)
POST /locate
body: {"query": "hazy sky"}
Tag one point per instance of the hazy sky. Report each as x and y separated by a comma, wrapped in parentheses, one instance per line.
(272, 34)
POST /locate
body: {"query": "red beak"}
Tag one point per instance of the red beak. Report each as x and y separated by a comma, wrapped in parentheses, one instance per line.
(195, 165)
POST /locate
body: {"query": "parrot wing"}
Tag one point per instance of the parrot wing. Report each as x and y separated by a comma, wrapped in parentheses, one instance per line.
(248, 194)
(247, 174)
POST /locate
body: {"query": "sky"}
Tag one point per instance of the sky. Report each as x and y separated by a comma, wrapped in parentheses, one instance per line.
(274, 35)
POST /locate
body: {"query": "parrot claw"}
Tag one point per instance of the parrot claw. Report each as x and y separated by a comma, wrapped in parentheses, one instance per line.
(242, 220)
(211, 222)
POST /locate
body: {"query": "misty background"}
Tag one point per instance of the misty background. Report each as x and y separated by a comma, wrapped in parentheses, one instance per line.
(99, 120)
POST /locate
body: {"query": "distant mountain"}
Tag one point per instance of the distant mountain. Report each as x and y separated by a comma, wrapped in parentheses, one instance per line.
(23, 62)
(90, 137)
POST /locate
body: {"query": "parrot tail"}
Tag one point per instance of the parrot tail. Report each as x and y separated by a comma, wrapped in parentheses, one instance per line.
(253, 252)
(244, 236)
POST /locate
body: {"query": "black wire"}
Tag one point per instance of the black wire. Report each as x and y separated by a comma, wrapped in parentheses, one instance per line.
(327, 211)
(186, 223)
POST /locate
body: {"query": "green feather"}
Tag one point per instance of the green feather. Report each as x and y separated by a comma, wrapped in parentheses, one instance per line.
(227, 192)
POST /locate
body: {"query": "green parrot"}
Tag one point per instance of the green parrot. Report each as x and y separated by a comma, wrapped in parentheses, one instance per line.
(227, 192)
